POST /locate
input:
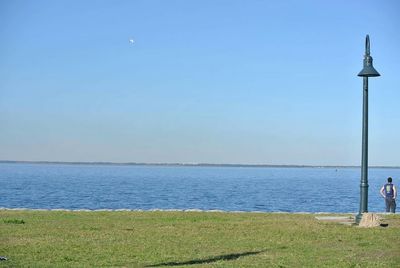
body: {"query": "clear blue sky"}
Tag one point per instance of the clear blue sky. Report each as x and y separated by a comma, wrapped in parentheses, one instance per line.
(252, 82)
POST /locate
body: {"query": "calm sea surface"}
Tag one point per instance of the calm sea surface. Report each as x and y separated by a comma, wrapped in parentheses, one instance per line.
(57, 186)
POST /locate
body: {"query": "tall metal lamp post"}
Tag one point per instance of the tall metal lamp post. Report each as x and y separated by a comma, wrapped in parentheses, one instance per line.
(367, 71)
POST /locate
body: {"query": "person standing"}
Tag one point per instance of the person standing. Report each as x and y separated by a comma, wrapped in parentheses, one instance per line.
(389, 192)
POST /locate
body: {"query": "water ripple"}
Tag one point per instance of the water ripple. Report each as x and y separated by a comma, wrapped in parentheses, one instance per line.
(45, 186)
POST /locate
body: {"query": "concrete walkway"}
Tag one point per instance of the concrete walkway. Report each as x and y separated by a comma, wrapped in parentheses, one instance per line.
(347, 220)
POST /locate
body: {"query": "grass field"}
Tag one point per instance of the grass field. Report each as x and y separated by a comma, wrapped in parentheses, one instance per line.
(191, 239)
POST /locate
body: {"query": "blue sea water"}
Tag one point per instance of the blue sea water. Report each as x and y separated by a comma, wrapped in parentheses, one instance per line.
(65, 186)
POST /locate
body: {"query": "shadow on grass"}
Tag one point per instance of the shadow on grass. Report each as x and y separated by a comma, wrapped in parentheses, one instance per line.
(227, 257)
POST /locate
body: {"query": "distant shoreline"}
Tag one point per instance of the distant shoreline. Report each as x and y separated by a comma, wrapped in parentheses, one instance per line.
(184, 164)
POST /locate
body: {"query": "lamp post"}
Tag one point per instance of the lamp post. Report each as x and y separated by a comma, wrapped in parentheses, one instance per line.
(367, 71)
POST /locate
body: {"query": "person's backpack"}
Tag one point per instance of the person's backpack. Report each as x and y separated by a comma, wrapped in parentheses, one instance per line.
(389, 192)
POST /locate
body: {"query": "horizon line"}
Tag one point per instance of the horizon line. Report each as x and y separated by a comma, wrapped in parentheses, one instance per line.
(105, 163)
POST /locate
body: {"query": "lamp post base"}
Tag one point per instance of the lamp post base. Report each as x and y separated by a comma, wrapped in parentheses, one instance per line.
(358, 218)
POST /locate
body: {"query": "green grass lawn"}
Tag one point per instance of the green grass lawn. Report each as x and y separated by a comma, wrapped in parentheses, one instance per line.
(191, 239)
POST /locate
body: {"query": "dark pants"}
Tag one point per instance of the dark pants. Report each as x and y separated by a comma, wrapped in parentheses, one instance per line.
(390, 205)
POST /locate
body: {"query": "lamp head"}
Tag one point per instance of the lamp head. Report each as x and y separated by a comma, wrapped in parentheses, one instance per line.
(368, 70)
